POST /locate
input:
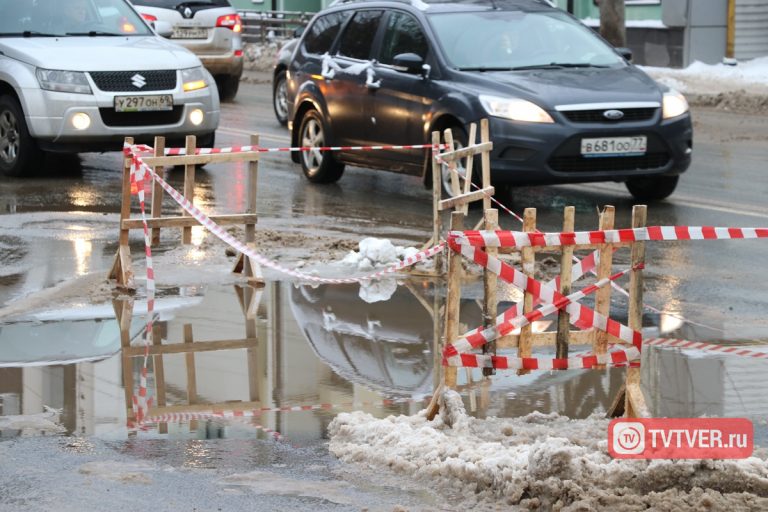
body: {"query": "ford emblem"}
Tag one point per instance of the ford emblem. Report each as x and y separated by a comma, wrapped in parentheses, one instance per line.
(613, 115)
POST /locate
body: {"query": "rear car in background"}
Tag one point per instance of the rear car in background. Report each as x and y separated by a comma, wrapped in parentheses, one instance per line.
(211, 29)
(75, 80)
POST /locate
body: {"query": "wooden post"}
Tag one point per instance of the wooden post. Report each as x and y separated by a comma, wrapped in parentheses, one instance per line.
(250, 229)
(603, 295)
(468, 167)
(490, 282)
(455, 186)
(157, 190)
(437, 194)
(189, 187)
(191, 372)
(453, 302)
(157, 361)
(566, 267)
(528, 261)
(124, 315)
(635, 405)
(122, 270)
(485, 161)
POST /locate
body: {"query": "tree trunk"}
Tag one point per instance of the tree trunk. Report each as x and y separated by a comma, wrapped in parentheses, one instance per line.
(612, 22)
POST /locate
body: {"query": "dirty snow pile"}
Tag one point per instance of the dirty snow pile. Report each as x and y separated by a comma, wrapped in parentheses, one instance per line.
(539, 461)
(46, 422)
(376, 252)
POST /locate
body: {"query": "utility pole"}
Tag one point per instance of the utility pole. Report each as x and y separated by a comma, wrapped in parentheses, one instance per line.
(612, 22)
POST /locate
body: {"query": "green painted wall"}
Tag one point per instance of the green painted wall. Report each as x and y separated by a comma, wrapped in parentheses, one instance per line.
(588, 9)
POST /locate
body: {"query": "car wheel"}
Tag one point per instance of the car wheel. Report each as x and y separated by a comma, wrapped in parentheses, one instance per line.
(280, 98)
(652, 188)
(318, 166)
(228, 86)
(18, 150)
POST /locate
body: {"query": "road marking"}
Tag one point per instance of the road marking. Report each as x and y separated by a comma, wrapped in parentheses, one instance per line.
(236, 131)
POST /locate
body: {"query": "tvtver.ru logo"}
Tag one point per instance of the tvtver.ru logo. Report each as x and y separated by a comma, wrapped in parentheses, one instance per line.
(629, 438)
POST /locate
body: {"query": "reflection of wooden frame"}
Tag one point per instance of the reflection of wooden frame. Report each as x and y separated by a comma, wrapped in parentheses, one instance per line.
(122, 270)
(462, 194)
(249, 299)
(633, 401)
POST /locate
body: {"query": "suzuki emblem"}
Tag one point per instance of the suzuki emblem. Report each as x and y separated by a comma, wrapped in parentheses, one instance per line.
(613, 115)
(187, 12)
(138, 81)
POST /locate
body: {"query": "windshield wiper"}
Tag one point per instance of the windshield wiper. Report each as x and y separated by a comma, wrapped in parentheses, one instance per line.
(29, 33)
(487, 68)
(93, 33)
(559, 65)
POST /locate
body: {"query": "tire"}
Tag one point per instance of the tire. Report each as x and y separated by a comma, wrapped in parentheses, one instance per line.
(318, 166)
(652, 188)
(19, 153)
(228, 86)
(280, 98)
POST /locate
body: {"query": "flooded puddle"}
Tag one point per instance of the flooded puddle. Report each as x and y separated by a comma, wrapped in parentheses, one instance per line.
(226, 359)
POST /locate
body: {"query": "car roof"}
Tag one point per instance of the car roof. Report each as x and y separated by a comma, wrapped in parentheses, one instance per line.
(453, 5)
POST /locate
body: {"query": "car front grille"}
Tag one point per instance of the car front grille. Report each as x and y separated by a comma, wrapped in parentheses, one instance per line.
(124, 81)
(596, 116)
(577, 163)
(112, 118)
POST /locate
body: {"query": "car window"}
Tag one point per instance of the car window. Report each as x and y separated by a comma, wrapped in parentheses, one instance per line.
(508, 39)
(357, 39)
(403, 35)
(323, 32)
(172, 4)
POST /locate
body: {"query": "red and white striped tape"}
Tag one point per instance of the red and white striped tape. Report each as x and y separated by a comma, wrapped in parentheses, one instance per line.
(708, 347)
(581, 316)
(300, 149)
(477, 339)
(616, 358)
(652, 233)
(223, 235)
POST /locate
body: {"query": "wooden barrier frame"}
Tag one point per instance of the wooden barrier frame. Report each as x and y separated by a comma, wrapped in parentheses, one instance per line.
(630, 401)
(122, 269)
(249, 298)
(462, 193)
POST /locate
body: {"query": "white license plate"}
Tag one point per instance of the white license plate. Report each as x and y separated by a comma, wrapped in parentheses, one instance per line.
(143, 103)
(614, 146)
(189, 33)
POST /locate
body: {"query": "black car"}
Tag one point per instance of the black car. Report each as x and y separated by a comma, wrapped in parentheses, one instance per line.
(564, 106)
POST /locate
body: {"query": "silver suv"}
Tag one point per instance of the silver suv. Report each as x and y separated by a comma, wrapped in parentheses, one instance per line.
(211, 29)
(82, 75)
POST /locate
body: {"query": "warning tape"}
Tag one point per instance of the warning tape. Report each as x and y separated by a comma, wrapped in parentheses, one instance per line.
(611, 236)
(300, 149)
(709, 347)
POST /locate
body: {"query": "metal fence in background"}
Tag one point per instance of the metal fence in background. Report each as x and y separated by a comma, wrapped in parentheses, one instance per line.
(263, 26)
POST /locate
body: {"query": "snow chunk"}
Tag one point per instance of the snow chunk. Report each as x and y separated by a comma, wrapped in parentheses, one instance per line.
(544, 461)
(378, 290)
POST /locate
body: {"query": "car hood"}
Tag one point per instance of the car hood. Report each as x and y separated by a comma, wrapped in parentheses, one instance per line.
(99, 53)
(552, 87)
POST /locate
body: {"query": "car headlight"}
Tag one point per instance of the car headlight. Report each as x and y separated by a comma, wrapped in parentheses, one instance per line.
(675, 104)
(63, 81)
(515, 109)
(193, 79)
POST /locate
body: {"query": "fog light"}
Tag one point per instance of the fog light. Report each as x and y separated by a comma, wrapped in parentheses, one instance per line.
(196, 117)
(81, 121)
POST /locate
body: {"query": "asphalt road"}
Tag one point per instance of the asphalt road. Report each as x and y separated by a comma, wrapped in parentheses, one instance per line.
(721, 284)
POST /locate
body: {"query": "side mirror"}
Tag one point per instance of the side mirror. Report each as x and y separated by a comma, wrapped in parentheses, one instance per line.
(297, 32)
(625, 52)
(163, 28)
(410, 62)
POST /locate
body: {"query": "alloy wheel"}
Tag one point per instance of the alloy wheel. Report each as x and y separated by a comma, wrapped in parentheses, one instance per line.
(312, 137)
(9, 137)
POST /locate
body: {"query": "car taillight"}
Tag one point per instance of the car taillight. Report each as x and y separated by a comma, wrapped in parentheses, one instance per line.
(231, 21)
(149, 17)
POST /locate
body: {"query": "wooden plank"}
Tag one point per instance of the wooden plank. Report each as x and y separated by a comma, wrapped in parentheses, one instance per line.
(490, 289)
(191, 408)
(198, 346)
(455, 183)
(250, 268)
(635, 406)
(190, 363)
(437, 191)
(125, 206)
(215, 158)
(454, 155)
(528, 261)
(549, 338)
(180, 222)
(189, 187)
(157, 191)
(603, 295)
(485, 159)
(468, 167)
(464, 199)
(566, 268)
(453, 302)
(159, 367)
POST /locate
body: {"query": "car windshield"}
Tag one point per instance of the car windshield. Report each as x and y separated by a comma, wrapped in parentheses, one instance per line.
(89, 18)
(510, 40)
